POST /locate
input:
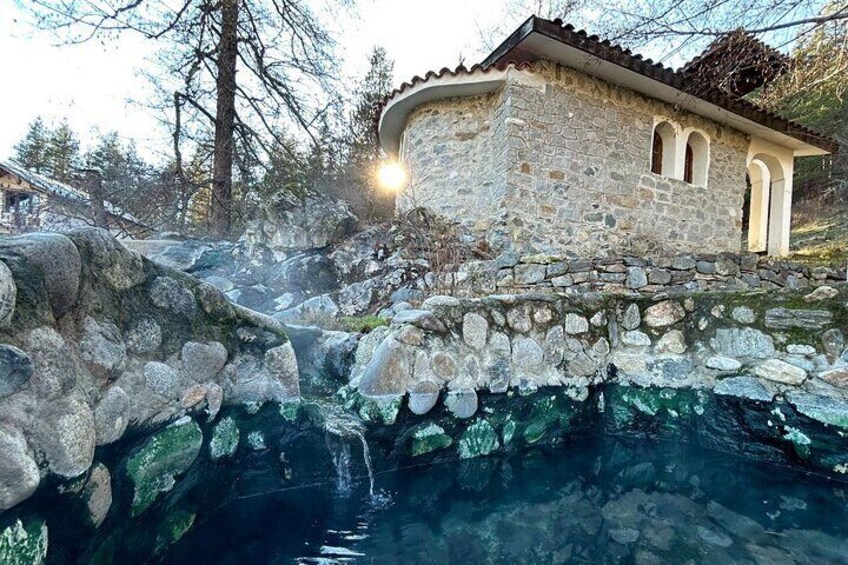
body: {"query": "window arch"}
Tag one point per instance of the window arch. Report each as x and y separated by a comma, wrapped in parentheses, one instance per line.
(663, 149)
(696, 159)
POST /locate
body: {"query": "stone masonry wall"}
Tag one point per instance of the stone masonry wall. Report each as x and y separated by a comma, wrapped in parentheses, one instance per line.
(569, 170)
(682, 273)
(450, 156)
(669, 362)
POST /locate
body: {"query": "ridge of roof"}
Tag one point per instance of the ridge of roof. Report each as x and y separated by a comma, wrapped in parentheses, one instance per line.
(614, 53)
(735, 35)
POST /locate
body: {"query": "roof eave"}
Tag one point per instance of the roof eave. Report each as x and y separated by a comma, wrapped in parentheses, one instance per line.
(805, 141)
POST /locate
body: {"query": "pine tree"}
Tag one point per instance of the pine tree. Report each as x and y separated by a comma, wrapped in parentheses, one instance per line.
(62, 154)
(31, 150)
(364, 152)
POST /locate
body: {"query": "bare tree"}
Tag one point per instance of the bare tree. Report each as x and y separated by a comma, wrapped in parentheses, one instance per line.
(246, 69)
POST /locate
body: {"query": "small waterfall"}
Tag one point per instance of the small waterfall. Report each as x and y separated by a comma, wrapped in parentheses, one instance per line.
(340, 426)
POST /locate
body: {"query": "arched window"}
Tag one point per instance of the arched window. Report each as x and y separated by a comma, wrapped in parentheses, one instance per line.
(656, 154)
(662, 149)
(688, 164)
(696, 159)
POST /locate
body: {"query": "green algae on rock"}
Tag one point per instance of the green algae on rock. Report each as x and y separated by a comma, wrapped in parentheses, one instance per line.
(24, 544)
(225, 439)
(165, 454)
(478, 439)
(428, 439)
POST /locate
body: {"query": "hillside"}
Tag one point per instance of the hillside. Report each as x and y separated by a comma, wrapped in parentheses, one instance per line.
(820, 232)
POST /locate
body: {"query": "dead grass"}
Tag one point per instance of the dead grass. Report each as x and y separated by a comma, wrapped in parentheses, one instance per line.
(820, 232)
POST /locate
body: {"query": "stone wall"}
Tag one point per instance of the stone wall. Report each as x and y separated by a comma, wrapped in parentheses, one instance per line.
(683, 273)
(568, 169)
(781, 354)
(96, 341)
(451, 154)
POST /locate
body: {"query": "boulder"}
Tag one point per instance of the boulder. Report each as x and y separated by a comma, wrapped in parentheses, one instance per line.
(102, 347)
(672, 342)
(281, 364)
(389, 371)
(428, 439)
(576, 324)
(63, 430)
(475, 330)
(162, 379)
(461, 403)
(111, 415)
(97, 494)
(19, 476)
(298, 223)
(171, 296)
(423, 319)
(825, 409)
(203, 361)
(477, 440)
(743, 315)
(145, 336)
(119, 267)
(720, 363)
(8, 295)
(46, 266)
(423, 396)
(632, 318)
(55, 370)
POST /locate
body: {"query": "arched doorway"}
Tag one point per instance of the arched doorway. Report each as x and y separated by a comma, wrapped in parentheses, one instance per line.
(770, 206)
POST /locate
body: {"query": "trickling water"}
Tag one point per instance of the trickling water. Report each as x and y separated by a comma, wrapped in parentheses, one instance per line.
(340, 453)
(342, 425)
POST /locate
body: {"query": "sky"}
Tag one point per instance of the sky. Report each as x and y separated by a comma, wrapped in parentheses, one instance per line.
(92, 85)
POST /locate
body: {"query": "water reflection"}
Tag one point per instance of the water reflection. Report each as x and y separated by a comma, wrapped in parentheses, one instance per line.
(610, 501)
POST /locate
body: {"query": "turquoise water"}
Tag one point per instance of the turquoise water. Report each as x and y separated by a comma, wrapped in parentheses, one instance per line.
(604, 501)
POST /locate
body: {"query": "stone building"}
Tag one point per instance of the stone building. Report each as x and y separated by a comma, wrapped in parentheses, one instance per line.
(33, 202)
(561, 143)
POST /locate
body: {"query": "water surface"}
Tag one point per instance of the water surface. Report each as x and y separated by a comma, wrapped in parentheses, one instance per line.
(603, 501)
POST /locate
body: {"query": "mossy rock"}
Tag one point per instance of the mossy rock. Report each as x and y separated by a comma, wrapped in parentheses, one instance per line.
(380, 410)
(290, 410)
(173, 527)
(479, 439)
(428, 439)
(24, 544)
(166, 454)
(225, 439)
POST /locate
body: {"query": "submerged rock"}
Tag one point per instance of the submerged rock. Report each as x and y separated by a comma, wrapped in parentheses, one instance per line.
(429, 439)
(163, 456)
(98, 494)
(225, 439)
(479, 439)
(24, 544)
(825, 409)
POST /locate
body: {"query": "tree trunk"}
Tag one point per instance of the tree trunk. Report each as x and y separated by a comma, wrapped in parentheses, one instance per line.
(222, 168)
(94, 186)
